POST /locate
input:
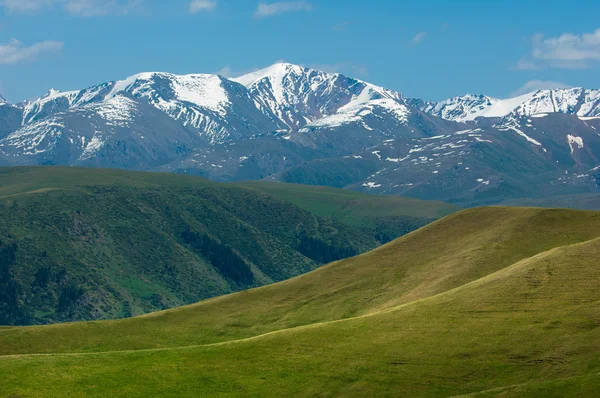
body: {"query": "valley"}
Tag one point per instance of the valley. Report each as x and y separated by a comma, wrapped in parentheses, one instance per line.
(493, 301)
(84, 244)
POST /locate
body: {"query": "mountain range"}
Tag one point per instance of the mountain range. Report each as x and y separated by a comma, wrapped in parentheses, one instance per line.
(296, 124)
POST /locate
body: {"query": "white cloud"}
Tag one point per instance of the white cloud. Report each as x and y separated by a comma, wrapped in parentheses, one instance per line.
(86, 8)
(535, 85)
(272, 9)
(419, 37)
(14, 52)
(202, 5)
(342, 67)
(96, 8)
(227, 72)
(26, 6)
(571, 51)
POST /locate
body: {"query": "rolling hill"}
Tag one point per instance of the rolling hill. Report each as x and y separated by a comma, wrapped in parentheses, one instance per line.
(82, 244)
(490, 302)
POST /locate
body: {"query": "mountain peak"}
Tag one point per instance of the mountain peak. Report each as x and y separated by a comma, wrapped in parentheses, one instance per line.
(275, 71)
(51, 93)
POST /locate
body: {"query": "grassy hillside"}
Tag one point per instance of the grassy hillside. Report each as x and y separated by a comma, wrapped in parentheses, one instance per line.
(390, 216)
(495, 301)
(80, 244)
(580, 202)
(350, 206)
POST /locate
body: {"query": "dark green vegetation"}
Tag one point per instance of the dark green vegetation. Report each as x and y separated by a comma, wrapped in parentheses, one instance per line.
(389, 216)
(80, 244)
(490, 302)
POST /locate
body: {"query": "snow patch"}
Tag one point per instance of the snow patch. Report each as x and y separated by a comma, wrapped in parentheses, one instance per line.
(574, 142)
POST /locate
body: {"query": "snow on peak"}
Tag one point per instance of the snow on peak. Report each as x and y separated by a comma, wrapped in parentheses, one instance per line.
(461, 109)
(301, 96)
(576, 101)
(167, 91)
(357, 111)
(272, 71)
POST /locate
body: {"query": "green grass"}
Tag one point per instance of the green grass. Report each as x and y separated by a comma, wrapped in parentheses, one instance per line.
(350, 206)
(579, 201)
(496, 301)
(118, 237)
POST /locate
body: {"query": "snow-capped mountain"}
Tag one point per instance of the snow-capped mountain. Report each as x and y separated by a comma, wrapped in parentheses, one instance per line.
(213, 106)
(459, 109)
(300, 96)
(121, 131)
(574, 101)
(297, 124)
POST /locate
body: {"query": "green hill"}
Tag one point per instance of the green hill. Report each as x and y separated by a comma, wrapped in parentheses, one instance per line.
(493, 301)
(350, 206)
(82, 244)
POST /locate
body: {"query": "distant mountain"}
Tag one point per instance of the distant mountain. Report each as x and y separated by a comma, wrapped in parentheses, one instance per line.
(297, 124)
(573, 101)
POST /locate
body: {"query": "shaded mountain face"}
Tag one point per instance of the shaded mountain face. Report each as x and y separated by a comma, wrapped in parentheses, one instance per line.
(10, 117)
(297, 124)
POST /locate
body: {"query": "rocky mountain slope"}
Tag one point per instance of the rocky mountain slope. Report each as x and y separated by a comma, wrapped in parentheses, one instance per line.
(574, 101)
(297, 124)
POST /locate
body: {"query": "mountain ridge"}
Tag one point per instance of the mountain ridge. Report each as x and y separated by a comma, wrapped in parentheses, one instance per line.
(296, 124)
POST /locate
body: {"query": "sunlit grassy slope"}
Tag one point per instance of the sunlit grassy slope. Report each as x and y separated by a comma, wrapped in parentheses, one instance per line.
(496, 301)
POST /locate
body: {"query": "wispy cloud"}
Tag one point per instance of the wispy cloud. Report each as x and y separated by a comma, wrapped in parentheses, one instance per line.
(26, 6)
(535, 85)
(99, 8)
(229, 72)
(342, 26)
(342, 67)
(569, 51)
(419, 37)
(15, 52)
(87, 8)
(202, 6)
(282, 7)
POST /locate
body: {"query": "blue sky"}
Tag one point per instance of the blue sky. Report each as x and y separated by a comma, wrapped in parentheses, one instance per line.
(430, 50)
